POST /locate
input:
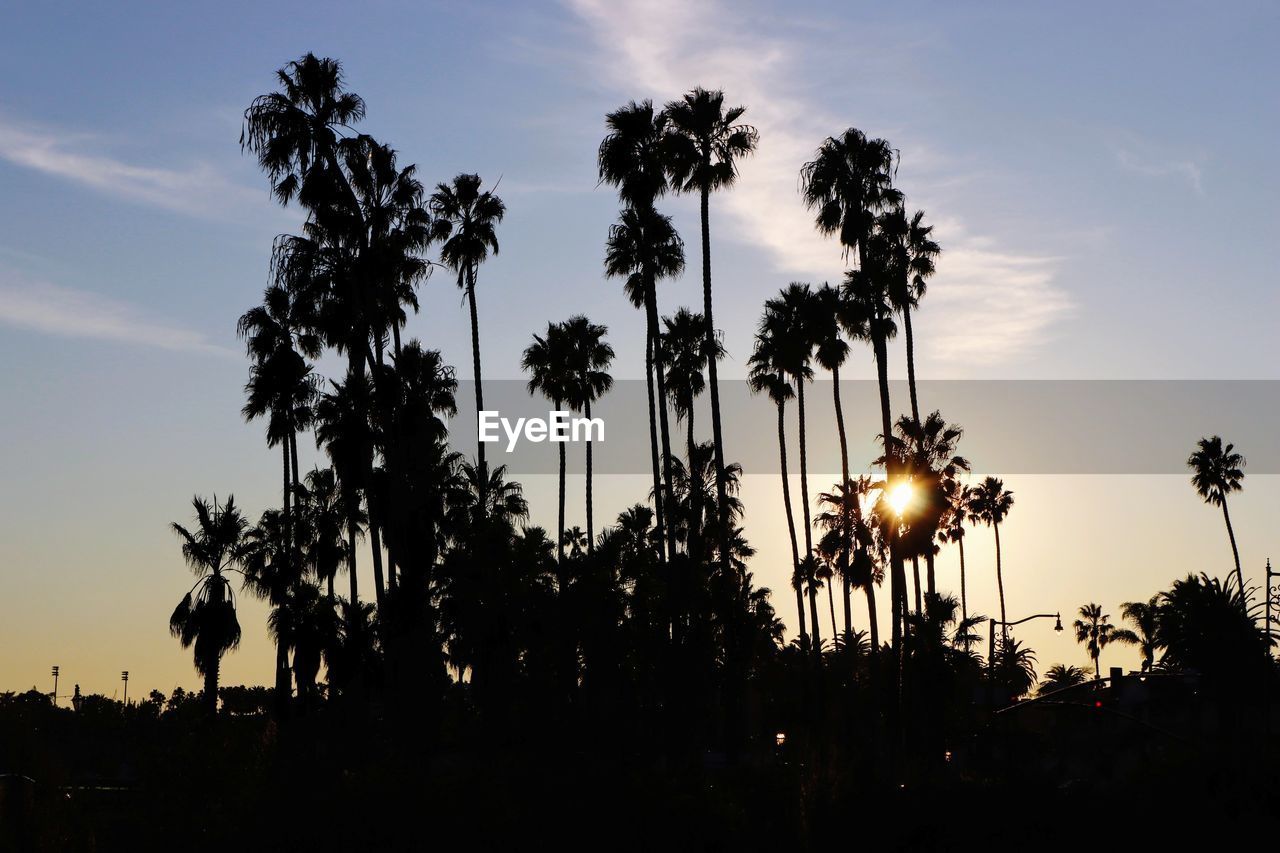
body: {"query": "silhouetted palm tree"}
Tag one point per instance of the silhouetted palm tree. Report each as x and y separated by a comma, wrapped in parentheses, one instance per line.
(1145, 618)
(990, 503)
(644, 248)
(547, 361)
(1093, 629)
(344, 431)
(684, 347)
(1061, 675)
(959, 512)
(324, 519)
(915, 255)
(206, 617)
(703, 142)
(1219, 472)
(590, 357)
(465, 223)
(295, 131)
(847, 531)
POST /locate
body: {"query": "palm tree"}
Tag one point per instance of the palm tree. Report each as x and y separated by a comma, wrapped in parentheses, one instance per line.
(206, 617)
(768, 376)
(1145, 618)
(465, 223)
(930, 460)
(589, 362)
(1093, 629)
(914, 255)
(643, 248)
(702, 145)
(847, 532)
(270, 571)
(1061, 675)
(1218, 473)
(990, 503)
(344, 431)
(959, 511)
(323, 519)
(684, 347)
(295, 131)
(547, 361)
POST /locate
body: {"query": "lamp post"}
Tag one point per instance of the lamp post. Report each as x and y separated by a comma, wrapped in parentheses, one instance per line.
(124, 676)
(55, 686)
(991, 636)
(1273, 601)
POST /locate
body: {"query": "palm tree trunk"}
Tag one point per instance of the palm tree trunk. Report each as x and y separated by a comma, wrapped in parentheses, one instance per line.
(1235, 552)
(351, 566)
(808, 526)
(560, 504)
(791, 521)
(873, 621)
(716, 435)
(964, 600)
(591, 529)
(911, 362)
(282, 651)
(931, 580)
(831, 603)
(1000, 575)
(694, 543)
(897, 573)
(845, 527)
(211, 686)
(375, 543)
(915, 573)
(653, 438)
(475, 367)
(651, 306)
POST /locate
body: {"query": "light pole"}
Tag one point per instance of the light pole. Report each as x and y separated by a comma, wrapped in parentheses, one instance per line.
(991, 636)
(1273, 600)
(55, 686)
(124, 676)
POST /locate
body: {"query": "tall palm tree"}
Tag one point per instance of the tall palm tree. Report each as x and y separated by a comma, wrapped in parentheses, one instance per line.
(959, 512)
(465, 223)
(847, 532)
(324, 521)
(547, 361)
(644, 248)
(590, 357)
(295, 131)
(1145, 618)
(922, 254)
(704, 141)
(930, 459)
(271, 569)
(768, 376)
(990, 503)
(206, 617)
(1093, 629)
(344, 431)
(1219, 472)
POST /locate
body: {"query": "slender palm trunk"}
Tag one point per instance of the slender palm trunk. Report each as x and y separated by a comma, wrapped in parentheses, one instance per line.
(211, 686)
(808, 526)
(351, 567)
(831, 602)
(1235, 552)
(591, 529)
(560, 504)
(694, 544)
(664, 428)
(930, 576)
(911, 362)
(897, 574)
(791, 521)
(653, 438)
(845, 528)
(1000, 575)
(282, 650)
(475, 367)
(964, 599)
(714, 382)
(915, 574)
(375, 544)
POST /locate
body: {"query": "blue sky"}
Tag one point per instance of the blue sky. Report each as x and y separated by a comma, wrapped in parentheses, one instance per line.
(1102, 177)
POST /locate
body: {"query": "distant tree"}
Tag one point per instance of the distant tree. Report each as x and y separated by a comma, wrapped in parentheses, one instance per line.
(1145, 618)
(1093, 629)
(1219, 471)
(1061, 675)
(990, 503)
(206, 617)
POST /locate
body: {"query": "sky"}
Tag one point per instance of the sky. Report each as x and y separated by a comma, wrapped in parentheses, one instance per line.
(1101, 177)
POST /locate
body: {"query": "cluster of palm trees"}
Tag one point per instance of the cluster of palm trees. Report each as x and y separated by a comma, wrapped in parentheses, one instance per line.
(653, 622)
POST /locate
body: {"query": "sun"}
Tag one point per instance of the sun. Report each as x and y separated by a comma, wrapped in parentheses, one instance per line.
(900, 497)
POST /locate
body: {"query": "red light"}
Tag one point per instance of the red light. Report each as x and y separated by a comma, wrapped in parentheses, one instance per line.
(1097, 704)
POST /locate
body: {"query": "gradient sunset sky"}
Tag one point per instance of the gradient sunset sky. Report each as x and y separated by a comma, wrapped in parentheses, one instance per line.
(1102, 177)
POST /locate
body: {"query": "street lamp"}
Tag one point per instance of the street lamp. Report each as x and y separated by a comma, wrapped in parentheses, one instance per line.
(124, 676)
(991, 635)
(55, 686)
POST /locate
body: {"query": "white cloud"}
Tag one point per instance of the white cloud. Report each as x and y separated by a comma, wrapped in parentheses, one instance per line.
(198, 190)
(1007, 299)
(1146, 158)
(53, 309)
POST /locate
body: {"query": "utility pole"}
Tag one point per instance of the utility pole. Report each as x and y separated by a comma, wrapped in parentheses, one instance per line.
(55, 685)
(124, 676)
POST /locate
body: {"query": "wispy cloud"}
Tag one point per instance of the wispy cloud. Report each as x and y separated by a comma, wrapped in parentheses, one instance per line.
(196, 190)
(1008, 298)
(53, 309)
(1155, 161)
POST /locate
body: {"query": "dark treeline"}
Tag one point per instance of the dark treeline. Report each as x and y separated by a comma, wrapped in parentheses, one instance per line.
(501, 681)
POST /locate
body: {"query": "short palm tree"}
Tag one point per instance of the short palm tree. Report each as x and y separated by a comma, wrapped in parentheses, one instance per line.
(465, 222)
(1219, 472)
(703, 142)
(1093, 629)
(990, 503)
(1061, 675)
(206, 617)
(1144, 616)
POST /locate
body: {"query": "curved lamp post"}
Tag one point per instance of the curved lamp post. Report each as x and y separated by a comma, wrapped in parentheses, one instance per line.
(991, 635)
